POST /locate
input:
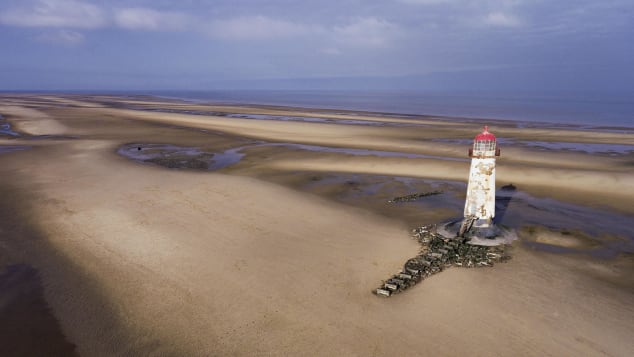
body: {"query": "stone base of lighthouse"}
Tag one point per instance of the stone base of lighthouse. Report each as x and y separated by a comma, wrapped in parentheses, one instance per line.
(488, 236)
(491, 235)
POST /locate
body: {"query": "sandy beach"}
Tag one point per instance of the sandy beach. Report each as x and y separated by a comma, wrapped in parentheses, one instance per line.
(135, 246)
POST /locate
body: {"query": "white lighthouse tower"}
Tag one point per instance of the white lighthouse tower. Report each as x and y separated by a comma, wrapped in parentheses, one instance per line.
(479, 208)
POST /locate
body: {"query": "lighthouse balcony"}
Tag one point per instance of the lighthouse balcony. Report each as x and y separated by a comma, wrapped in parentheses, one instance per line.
(484, 153)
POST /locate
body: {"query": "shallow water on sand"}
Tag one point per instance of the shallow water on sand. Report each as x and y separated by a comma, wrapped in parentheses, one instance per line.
(307, 119)
(320, 120)
(189, 157)
(12, 148)
(589, 148)
(5, 128)
(360, 152)
(172, 156)
(610, 231)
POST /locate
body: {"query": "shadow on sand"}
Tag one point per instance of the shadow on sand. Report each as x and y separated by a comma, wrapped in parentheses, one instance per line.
(28, 326)
(503, 198)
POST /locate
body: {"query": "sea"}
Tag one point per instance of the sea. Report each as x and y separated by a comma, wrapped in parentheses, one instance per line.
(608, 110)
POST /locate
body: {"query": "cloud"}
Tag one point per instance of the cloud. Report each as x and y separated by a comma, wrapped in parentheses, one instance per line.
(55, 13)
(258, 28)
(502, 20)
(368, 32)
(61, 37)
(151, 20)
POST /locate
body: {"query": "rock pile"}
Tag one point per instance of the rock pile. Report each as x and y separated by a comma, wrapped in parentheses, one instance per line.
(413, 197)
(439, 253)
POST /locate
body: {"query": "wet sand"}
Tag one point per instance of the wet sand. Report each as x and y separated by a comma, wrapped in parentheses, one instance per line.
(275, 250)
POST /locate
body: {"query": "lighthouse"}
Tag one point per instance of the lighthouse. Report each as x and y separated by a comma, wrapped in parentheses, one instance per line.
(479, 208)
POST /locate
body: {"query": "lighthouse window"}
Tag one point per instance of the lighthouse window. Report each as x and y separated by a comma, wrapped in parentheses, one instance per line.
(484, 145)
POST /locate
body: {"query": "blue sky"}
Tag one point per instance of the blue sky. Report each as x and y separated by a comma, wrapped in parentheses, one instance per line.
(340, 44)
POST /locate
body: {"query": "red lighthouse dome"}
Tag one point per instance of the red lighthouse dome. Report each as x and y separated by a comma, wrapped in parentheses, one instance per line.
(485, 135)
(484, 145)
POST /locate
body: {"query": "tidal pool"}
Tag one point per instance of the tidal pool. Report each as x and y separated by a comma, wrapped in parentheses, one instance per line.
(5, 128)
(12, 148)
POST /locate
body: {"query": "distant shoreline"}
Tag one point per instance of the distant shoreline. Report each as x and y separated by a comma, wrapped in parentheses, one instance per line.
(351, 112)
(610, 111)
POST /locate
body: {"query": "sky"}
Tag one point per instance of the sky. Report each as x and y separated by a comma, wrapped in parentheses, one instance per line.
(495, 45)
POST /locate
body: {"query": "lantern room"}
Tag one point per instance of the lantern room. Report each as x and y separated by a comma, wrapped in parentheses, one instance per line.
(484, 145)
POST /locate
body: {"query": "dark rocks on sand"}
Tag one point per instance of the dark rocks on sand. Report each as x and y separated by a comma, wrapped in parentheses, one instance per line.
(509, 187)
(439, 253)
(413, 197)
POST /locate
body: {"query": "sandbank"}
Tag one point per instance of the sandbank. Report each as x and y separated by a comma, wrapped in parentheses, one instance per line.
(140, 259)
